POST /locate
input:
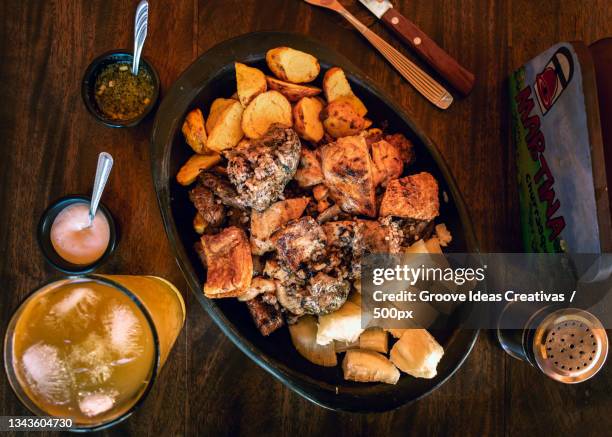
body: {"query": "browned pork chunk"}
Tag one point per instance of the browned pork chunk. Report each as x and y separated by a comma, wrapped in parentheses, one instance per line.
(348, 171)
(300, 243)
(204, 201)
(229, 262)
(264, 224)
(404, 145)
(413, 197)
(321, 295)
(309, 171)
(260, 169)
(266, 313)
(388, 163)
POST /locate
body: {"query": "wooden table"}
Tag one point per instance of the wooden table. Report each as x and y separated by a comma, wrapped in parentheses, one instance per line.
(49, 148)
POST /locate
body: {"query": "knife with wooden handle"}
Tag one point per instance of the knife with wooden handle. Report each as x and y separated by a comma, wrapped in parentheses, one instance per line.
(460, 78)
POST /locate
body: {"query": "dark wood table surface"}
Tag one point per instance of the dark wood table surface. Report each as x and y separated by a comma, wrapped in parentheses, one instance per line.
(49, 144)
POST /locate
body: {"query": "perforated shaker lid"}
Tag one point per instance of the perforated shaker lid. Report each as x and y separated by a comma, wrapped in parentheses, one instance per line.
(570, 345)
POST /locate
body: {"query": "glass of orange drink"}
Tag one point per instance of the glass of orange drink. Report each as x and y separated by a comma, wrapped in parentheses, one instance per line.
(89, 348)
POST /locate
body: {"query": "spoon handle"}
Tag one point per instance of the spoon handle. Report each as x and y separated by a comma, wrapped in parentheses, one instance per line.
(105, 164)
(141, 19)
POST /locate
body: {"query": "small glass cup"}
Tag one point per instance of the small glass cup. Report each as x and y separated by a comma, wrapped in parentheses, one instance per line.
(153, 300)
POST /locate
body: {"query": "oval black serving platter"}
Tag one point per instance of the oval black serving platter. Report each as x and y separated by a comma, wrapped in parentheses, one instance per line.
(212, 76)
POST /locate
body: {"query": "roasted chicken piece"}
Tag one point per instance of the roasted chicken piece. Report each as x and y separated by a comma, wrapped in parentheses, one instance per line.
(388, 163)
(229, 263)
(194, 130)
(260, 169)
(413, 197)
(321, 295)
(204, 201)
(309, 171)
(300, 243)
(404, 145)
(264, 224)
(266, 313)
(348, 171)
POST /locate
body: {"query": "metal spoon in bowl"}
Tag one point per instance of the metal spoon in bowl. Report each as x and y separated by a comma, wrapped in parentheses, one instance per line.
(141, 20)
(105, 164)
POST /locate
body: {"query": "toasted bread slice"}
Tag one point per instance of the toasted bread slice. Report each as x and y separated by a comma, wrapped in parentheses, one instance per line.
(413, 197)
(227, 131)
(292, 91)
(194, 131)
(250, 83)
(306, 119)
(194, 165)
(229, 263)
(341, 120)
(336, 86)
(292, 65)
(265, 110)
(216, 109)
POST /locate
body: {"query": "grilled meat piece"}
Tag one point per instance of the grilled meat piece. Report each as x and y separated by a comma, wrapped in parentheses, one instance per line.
(323, 294)
(259, 285)
(309, 171)
(348, 171)
(413, 197)
(388, 162)
(266, 313)
(382, 236)
(222, 188)
(300, 243)
(204, 201)
(229, 262)
(264, 224)
(260, 169)
(404, 145)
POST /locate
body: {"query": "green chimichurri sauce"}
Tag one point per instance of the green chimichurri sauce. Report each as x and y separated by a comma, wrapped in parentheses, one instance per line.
(122, 96)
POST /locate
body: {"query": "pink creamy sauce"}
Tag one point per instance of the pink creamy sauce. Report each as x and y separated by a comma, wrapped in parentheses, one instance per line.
(76, 243)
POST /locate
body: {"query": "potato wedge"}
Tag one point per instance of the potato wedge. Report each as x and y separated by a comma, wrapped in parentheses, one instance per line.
(216, 109)
(292, 91)
(336, 86)
(374, 339)
(265, 110)
(199, 224)
(250, 83)
(194, 131)
(292, 65)
(227, 131)
(306, 119)
(194, 165)
(341, 120)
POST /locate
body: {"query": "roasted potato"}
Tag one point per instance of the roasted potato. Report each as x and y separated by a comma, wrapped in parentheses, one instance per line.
(265, 110)
(292, 65)
(341, 120)
(195, 131)
(292, 91)
(306, 119)
(250, 83)
(199, 224)
(227, 130)
(216, 109)
(336, 86)
(194, 165)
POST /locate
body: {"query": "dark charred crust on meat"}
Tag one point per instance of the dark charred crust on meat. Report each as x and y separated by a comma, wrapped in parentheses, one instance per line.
(204, 201)
(266, 313)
